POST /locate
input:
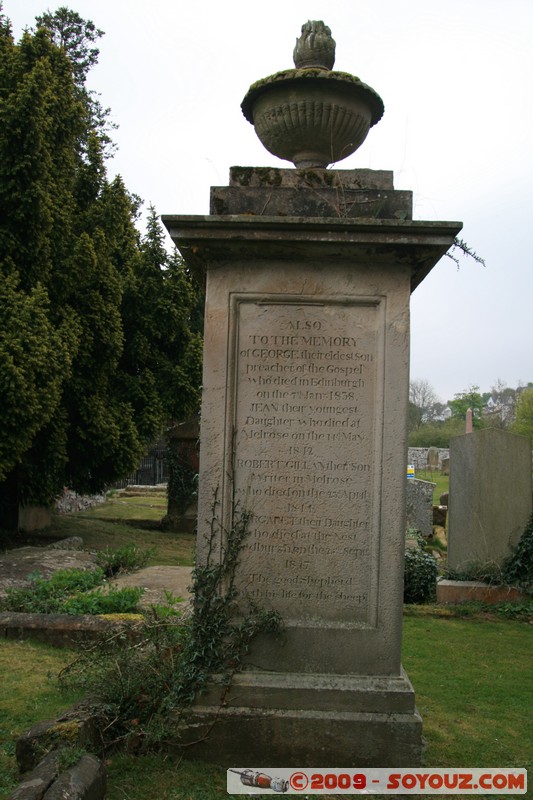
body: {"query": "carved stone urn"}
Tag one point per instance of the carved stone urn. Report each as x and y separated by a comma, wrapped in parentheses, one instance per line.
(312, 115)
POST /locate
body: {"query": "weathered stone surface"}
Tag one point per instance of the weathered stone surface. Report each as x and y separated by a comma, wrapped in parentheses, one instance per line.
(79, 726)
(490, 495)
(306, 452)
(70, 543)
(156, 581)
(264, 177)
(35, 783)
(17, 565)
(303, 738)
(304, 425)
(419, 506)
(369, 243)
(86, 780)
(34, 518)
(464, 591)
(62, 630)
(374, 203)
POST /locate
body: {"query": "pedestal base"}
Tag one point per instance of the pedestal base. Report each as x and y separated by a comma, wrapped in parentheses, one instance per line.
(289, 720)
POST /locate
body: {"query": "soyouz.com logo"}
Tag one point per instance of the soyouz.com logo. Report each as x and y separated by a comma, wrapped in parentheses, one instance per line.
(377, 781)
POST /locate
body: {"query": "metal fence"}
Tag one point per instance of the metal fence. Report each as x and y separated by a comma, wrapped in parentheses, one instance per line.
(152, 470)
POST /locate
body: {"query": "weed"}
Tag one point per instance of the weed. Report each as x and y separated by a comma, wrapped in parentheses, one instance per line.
(112, 601)
(67, 592)
(48, 596)
(142, 682)
(124, 559)
(69, 756)
(487, 572)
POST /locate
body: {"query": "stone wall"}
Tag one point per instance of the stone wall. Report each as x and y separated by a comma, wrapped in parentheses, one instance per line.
(419, 456)
(71, 501)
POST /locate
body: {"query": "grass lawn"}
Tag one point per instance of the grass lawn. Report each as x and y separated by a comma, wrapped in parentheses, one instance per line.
(29, 695)
(474, 690)
(101, 533)
(472, 677)
(151, 506)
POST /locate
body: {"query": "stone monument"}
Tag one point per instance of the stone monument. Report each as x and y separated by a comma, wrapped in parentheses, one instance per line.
(304, 424)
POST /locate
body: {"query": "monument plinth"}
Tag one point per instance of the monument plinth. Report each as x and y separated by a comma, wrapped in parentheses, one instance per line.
(304, 425)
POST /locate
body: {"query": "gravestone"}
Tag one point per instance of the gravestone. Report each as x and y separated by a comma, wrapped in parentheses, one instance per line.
(419, 506)
(433, 458)
(490, 495)
(305, 397)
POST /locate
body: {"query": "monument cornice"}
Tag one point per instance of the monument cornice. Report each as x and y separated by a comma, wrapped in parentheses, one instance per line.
(208, 241)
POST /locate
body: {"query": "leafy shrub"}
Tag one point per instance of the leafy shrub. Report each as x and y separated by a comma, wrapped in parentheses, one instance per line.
(518, 568)
(123, 559)
(420, 576)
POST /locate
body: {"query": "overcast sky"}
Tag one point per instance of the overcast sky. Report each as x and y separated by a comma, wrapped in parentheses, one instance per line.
(456, 78)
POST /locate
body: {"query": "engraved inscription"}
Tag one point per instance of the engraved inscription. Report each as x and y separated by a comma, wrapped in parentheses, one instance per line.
(304, 455)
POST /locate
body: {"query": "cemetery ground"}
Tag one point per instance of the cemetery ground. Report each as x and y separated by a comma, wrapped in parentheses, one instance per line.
(471, 670)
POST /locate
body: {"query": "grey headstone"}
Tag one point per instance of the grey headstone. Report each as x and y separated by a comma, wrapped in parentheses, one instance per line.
(490, 495)
(419, 506)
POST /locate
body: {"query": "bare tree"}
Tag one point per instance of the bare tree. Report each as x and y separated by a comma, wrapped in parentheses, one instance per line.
(422, 401)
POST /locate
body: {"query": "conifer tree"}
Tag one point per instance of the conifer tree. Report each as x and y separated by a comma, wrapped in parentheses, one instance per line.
(164, 321)
(85, 348)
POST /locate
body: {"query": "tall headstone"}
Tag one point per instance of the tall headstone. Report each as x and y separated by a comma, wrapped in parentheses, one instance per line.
(490, 495)
(419, 506)
(304, 425)
(433, 459)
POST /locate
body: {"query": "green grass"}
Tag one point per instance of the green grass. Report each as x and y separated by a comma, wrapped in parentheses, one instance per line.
(170, 549)
(471, 675)
(135, 506)
(473, 686)
(29, 695)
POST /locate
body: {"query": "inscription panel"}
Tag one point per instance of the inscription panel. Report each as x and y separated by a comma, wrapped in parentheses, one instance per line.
(305, 454)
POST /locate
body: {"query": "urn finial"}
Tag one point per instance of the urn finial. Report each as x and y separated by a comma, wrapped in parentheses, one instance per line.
(312, 115)
(315, 48)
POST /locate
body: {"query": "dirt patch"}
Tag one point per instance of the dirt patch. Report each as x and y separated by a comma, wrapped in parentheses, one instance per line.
(16, 566)
(156, 582)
